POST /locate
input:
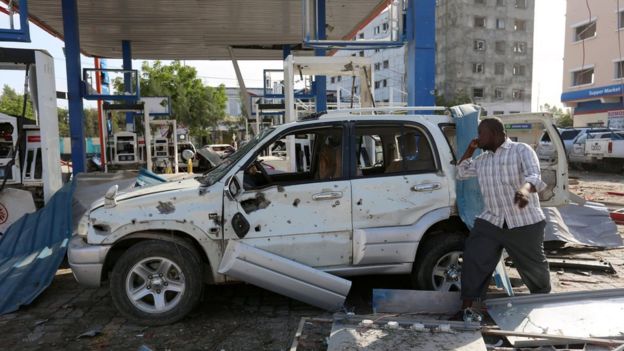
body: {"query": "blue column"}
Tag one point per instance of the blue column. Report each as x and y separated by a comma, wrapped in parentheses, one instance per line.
(74, 82)
(420, 30)
(320, 81)
(126, 53)
(285, 51)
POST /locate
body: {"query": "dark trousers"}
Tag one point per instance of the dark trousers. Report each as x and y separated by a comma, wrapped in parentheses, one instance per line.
(482, 251)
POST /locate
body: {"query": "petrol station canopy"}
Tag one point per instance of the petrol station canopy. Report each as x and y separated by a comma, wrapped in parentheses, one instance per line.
(200, 30)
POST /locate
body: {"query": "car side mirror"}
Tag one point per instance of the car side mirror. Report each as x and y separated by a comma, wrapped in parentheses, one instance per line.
(232, 188)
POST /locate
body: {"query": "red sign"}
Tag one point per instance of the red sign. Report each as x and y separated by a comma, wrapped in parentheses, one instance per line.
(4, 214)
(34, 138)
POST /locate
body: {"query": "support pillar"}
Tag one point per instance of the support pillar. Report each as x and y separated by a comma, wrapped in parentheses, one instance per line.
(74, 85)
(420, 30)
(126, 53)
(321, 81)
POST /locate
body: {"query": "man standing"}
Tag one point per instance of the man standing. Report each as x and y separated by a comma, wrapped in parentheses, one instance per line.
(509, 178)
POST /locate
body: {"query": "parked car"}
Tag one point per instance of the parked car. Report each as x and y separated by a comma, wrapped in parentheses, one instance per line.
(223, 150)
(377, 197)
(545, 149)
(579, 152)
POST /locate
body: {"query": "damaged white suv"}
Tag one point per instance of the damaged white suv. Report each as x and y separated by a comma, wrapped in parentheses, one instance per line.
(362, 195)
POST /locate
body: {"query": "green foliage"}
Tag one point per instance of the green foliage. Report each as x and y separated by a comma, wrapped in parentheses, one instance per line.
(12, 103)
(460, 98)
(194, 104)
(562, 117)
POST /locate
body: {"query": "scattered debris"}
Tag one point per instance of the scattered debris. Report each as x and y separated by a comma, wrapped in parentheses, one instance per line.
(284, 276)
(397, 333)
(582, 314)
(41, 321)
(310, 332)
(95, 331)
(416, 301)
(618, 216)
(554, 339)
(594, 265)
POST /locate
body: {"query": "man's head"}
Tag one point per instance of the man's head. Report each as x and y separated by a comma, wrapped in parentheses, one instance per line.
(491, 133)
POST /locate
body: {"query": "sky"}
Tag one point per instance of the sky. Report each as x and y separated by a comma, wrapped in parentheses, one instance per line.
(547, 59)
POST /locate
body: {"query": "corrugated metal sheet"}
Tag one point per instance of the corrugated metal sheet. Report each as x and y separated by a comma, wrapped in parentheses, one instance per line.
(32, 249)
(186, 29)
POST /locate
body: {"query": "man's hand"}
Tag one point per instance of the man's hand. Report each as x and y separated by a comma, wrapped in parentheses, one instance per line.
(472, 147)
(521, 198)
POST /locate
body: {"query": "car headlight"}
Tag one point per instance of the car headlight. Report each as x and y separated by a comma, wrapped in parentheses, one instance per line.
(83, 226)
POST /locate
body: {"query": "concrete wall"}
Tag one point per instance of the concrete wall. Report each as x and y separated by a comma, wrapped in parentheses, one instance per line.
(456, 33)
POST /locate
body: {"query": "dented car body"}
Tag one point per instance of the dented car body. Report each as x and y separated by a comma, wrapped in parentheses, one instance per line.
(368, 195)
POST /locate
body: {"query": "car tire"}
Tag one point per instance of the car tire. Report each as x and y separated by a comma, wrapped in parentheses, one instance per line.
(157, 282)
(438, 262)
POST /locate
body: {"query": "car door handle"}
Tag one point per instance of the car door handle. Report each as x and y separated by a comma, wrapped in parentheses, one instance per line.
(330, 195)
(427, 187)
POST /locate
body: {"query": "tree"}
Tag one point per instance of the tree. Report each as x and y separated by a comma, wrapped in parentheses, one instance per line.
(12, 103)
(562, 117)
(193, 104)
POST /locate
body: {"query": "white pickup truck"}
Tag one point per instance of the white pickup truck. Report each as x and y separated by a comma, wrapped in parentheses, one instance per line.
(379, 197)
(602, 148)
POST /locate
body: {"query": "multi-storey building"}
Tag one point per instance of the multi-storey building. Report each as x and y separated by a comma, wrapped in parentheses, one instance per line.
(484, 53)
(593, 63)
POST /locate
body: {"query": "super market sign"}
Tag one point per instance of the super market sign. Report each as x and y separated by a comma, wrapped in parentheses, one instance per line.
(590, 93)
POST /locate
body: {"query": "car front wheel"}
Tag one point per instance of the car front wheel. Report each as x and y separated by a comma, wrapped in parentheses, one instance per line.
(157, 282)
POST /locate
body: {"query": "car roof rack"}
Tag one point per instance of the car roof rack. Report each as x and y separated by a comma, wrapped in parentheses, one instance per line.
(387, 109)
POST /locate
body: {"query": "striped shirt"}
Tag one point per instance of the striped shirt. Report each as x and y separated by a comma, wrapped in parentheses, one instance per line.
(500, 175)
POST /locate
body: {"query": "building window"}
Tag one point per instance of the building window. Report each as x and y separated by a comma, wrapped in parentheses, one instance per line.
(585, 31)
(377, 84)
(361, 53)
(354, 54)
(619, 69)
(499, 93)
(361, 36)
(477, 68)
(498, 112)
(376, 50)
(517, 94)
(499, 68)
(333, 80)
(478, 93)
(385, 83)
(376, 30)
(499, 47)
(521, 4)
(479, 45)
(339, 78)
(621, 19)
(479, 22)
(583, 76)
(520, 47)
(377, 66)
(500, 23)
(500, 3)
(386, 64)
(519, 70)
(355, 89)
(385, 26)
(520, 25)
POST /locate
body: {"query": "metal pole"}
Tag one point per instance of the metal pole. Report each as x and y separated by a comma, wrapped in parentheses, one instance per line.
(126, 52)
(74, 80)
(148, 137)
(98, 83)
(321, 81)
(420, 26)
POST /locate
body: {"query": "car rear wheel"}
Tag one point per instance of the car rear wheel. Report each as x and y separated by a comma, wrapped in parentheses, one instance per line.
(157, 282)
(439, 262)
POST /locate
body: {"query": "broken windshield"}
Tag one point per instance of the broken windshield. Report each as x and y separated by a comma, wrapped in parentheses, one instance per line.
(224, 167)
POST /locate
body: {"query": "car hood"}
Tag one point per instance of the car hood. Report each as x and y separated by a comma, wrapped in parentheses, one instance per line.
(149, 190)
